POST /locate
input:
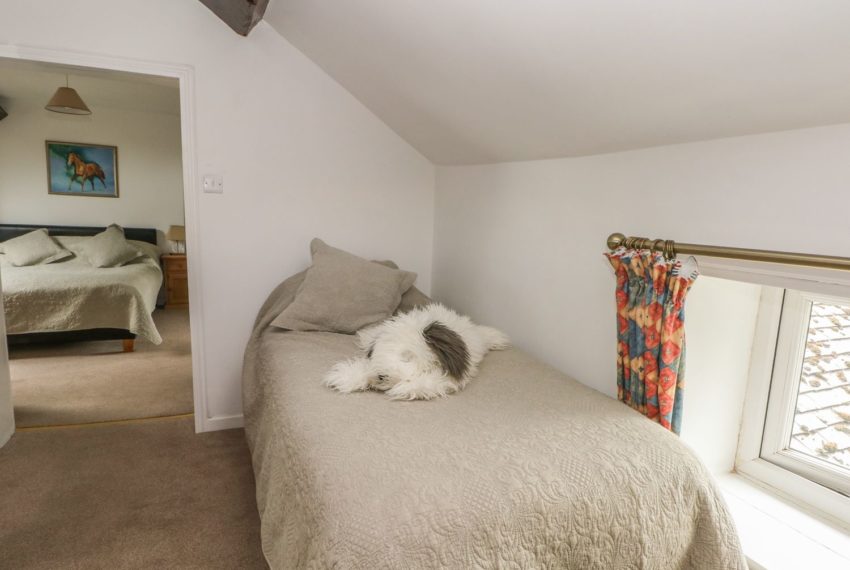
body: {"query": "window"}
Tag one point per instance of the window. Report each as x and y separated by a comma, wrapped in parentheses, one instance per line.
(807, 425)
(796, 427)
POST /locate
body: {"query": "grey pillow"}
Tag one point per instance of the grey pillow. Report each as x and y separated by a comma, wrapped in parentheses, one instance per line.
(343, 293)
(35, 247)
(278, 300)
(412, 298)
(109, 248)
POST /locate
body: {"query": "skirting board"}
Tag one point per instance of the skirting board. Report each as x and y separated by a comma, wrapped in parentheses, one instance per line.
(223, 422)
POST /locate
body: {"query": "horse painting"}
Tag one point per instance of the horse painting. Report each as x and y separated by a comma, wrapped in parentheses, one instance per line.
(84, 171)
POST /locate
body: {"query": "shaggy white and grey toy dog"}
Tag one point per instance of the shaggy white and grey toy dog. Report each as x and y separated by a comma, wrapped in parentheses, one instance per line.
(427, 353)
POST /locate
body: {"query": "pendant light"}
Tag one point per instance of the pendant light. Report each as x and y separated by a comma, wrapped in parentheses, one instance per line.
(68, 101)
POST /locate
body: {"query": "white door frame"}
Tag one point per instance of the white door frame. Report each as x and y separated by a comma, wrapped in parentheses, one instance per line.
(185, 75)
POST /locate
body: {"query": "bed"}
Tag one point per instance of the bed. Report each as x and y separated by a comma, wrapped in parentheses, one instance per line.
(525, 468)
(70, 300)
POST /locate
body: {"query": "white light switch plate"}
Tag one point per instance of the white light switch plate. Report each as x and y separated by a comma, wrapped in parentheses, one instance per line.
(213, 184)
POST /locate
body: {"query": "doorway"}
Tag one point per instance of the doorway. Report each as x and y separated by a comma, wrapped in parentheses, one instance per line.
(91, 380)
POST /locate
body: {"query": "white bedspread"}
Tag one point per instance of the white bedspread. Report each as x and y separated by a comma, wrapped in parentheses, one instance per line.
(72, 295)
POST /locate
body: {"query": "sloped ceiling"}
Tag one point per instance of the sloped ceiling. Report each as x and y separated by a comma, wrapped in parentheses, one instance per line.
(476, 81)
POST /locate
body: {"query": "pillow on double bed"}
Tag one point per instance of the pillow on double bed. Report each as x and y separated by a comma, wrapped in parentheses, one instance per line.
(34, 248)
(109, 248)
(343, 293)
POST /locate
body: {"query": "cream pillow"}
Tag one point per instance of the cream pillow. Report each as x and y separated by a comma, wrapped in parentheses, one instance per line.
(343, 293)
(33, 248)
(412, 298)
(109, 248)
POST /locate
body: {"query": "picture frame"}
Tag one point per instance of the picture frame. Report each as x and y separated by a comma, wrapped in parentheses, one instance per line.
(82, 169)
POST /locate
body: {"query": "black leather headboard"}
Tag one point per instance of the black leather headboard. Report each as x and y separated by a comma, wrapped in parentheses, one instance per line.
(9, 231)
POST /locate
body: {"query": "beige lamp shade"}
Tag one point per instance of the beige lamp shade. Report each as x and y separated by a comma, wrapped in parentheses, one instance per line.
(68, 101)
(176, 233)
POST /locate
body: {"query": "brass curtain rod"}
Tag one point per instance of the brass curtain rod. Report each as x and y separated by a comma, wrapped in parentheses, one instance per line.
(670, 249)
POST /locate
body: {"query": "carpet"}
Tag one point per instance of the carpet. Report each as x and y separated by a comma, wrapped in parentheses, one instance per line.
(144, 494)
(82, 382)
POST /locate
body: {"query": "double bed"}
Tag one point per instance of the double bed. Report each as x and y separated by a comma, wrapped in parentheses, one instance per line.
(525, 468)
(70, 300)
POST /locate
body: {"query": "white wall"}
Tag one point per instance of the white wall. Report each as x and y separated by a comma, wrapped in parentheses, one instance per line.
(721, 319)
(150, 168)
(519, 245)
(300, 157)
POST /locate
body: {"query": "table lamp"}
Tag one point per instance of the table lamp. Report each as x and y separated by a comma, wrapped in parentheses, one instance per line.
(177, 234)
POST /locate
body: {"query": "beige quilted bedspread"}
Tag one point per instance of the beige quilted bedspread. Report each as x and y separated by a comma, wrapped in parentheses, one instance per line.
(72, 295)
(526, 468)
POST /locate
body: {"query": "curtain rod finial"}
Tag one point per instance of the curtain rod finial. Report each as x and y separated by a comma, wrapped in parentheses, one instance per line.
(615, 240)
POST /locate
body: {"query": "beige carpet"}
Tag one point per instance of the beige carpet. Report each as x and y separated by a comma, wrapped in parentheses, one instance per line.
(149, 494)
(85, 382)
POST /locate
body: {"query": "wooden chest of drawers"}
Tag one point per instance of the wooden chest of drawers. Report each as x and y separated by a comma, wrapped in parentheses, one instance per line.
(176, 281)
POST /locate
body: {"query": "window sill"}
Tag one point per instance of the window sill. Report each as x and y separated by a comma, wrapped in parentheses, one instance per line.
(777, 535)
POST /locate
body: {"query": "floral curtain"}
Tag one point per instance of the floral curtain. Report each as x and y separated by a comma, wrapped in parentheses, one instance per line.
(651, 293)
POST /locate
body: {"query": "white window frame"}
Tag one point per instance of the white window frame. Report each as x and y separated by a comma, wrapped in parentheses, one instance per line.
(765, 460)
(787, 370)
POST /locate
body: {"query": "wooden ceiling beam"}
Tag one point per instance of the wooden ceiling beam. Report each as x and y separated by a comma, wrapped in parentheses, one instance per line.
(241, 15)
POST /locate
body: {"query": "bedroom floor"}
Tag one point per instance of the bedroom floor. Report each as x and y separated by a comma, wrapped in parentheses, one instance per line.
(144, 494)
(84, 382)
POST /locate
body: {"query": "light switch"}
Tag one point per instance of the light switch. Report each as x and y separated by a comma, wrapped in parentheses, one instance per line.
(213, 184)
